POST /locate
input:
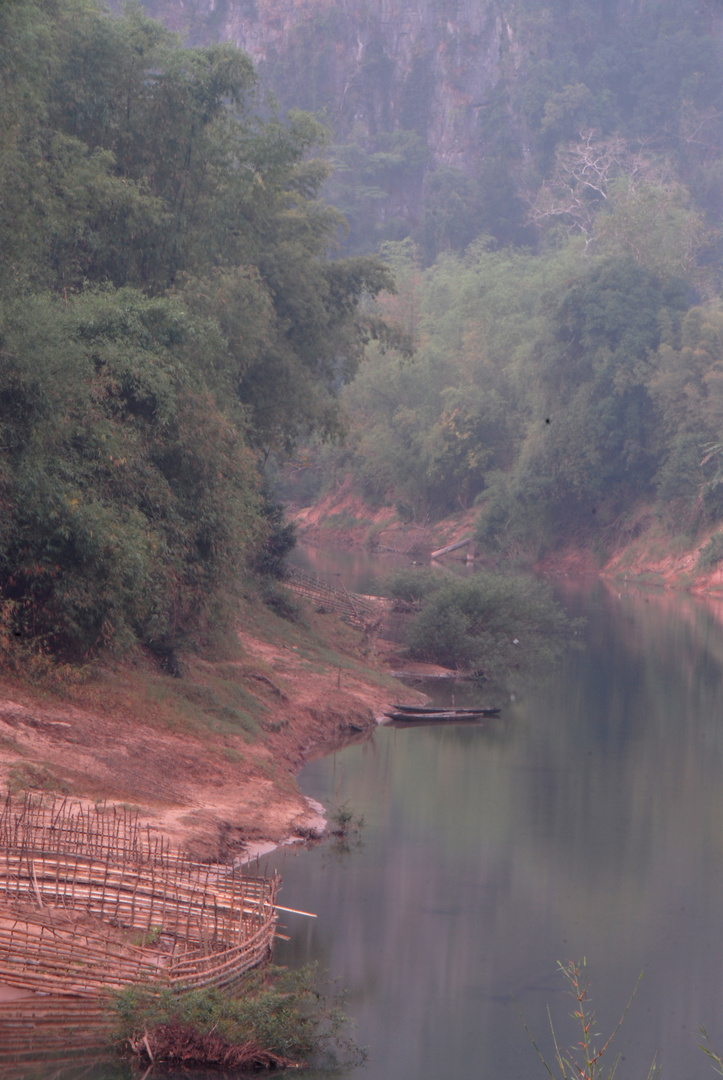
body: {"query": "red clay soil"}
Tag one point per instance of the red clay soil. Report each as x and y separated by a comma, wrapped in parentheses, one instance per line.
(219, 791)
(215, 790)
(342, 519)
(652, 558)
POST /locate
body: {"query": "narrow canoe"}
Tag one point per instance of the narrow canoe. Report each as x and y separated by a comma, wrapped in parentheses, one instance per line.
(431, 710)
(442, 714)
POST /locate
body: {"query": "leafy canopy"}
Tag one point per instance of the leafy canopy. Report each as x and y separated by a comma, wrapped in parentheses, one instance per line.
(169, 316)
(490, 623)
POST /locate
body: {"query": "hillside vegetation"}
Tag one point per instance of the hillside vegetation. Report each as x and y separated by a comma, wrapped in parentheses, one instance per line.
(169, 316)
(557, 391)
(561, 286)
(181, 303)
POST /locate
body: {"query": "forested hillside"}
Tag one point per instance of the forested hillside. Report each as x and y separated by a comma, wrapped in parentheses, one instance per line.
(169, 317)
(452, 118)
(188, 269)
(544, 178)
(564, 393)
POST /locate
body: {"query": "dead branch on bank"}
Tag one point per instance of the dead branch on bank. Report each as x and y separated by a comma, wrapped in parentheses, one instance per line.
(179, 1045)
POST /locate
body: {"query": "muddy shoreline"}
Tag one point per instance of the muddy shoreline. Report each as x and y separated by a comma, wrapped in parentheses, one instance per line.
(224, 789)
(645, 552)
(215, 789)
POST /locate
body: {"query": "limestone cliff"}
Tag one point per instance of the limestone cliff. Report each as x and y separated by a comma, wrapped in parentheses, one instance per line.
(478, 91)
(423, 65)
(420, 65)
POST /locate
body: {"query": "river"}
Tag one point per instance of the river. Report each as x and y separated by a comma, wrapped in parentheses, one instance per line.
(586, 822)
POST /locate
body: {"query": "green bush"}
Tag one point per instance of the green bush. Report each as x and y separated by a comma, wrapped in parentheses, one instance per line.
(280, 539)
(712, 553)
(129, 499)
(491, 623)
(281, 601)
(411, 585)
(277, 1009)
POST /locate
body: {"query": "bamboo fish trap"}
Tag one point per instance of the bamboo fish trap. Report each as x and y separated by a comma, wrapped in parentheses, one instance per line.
(91, 902)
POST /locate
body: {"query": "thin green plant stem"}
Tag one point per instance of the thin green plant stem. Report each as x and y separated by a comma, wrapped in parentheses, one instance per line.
(710, 1051)
(583, 1061)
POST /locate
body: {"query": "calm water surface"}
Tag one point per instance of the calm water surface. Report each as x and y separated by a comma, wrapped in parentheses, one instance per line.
(588, 822)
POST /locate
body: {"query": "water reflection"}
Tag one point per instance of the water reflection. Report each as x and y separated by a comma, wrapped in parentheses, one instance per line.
(587, 821)
(44, 1035)
(358, 569)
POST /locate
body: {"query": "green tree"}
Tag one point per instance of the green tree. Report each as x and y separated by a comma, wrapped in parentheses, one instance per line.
(687, 387)
(591, 448)
(169, 316)
(492, 623)
(129, 499)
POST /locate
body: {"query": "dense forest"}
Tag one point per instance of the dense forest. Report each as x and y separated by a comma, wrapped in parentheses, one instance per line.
(509, 211)
(169, 317)
(560, 282)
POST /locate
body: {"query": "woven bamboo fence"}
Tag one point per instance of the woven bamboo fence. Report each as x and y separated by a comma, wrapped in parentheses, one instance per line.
(357, 610)
(375, 615)
(91, 902)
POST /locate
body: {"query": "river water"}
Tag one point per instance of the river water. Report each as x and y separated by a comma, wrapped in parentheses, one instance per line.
(586, 822)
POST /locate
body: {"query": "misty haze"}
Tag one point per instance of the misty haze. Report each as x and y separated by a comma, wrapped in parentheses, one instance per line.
(361, 538)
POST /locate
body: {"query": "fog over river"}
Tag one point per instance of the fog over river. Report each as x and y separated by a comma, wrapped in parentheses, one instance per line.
(586, 822)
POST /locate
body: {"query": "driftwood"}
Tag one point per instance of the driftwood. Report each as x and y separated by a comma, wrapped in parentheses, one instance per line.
(469, 544)
(174, 1044)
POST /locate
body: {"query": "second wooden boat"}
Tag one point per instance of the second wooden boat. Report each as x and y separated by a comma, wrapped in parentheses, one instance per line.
(431, 709)
(407, 712)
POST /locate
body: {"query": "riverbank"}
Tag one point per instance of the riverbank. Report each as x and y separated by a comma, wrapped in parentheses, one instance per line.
(211, 758)
(644, 552)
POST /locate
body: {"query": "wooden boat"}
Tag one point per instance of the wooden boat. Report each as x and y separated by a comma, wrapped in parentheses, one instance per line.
(428, 712)
(431, 709)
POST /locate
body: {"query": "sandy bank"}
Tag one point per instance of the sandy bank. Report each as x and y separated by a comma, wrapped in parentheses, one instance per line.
(211, 759)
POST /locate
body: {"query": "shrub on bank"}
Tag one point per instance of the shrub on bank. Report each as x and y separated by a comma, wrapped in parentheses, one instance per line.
(711, 554)
(276, 1014)
(411, 586)
(491, 623)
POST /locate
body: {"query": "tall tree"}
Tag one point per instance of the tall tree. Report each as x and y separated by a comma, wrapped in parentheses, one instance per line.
(169, 314)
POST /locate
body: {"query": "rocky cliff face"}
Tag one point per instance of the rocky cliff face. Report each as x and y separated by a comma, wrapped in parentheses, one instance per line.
(422, 65)
(447, 113)
(427, 66)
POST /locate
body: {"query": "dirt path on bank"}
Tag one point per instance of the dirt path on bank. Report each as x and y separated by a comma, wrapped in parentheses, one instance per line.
(218, 791)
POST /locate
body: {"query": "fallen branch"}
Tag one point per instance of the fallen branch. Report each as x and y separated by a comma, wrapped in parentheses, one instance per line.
(450, 547)
(174, 1044)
